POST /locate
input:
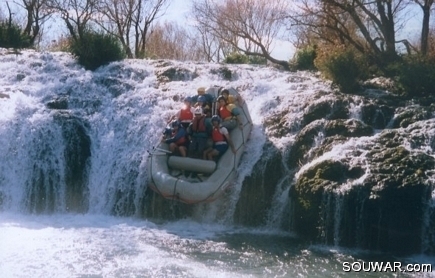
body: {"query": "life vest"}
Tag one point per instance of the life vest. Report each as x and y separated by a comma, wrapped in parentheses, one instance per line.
(180, 141)
(186, 114)
(217, 136)
(198, 125)
(224, 113)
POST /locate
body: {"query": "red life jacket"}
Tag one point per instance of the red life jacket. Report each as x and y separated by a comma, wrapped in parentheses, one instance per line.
(180, 141)
(198, 125)
(224, 112)
(186, 114)
(217, 136)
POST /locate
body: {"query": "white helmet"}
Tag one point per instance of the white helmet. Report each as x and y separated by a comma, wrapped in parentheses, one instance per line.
(198, 111)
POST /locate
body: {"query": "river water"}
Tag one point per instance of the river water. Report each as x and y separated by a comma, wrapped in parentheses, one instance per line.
(105, 246)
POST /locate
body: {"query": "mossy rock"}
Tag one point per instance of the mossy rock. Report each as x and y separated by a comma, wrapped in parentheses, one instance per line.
(335, 108)
(377, 116)
(412, 114)
(258, 189)
(310, 188)
(224, 72)
(305, 139)
(277, 124)
(347, 128)
(175, 74)
(303, 143)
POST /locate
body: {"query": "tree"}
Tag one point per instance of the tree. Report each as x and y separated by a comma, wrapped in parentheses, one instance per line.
(171, 41)
(76, 14)
(425, 5)
(247, 26)
(130, 21)
(37, 14)
(117, 19)
(367, 25)
(147, 12)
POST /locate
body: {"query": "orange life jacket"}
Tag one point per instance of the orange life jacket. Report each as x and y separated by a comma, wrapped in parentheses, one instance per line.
(198, 125)
(217, 136)
(224, 112)
(186, 114)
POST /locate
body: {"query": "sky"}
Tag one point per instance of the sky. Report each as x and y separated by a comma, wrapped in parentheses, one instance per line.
(178, 11)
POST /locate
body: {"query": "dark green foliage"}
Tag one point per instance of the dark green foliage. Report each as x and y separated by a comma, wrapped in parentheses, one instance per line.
(236, 58)
(11, 36)
(345, 69)
(415, 75)
(95, 49)
(304, 59)
(257, 60)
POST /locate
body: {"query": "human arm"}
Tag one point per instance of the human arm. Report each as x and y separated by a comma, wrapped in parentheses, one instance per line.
(181, 133)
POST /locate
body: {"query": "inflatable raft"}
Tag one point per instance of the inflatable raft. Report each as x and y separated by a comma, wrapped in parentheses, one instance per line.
(211, 178)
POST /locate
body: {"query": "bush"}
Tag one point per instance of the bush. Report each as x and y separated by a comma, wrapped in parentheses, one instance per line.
(304, 59)
(343, 67)
(236, 58)
(11, 36)
(257, 60)
(95, 49)
(415, 75)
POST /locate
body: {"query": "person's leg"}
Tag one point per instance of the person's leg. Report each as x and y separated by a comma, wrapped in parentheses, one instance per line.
(182, 150)
(212, 154)
(193, 148)
(172, 147)
(205, 153)
(230, 124)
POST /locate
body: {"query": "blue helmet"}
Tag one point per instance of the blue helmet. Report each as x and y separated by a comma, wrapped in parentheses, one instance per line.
(201, 99)
(216, 118)
(175, 123)
(188, 99)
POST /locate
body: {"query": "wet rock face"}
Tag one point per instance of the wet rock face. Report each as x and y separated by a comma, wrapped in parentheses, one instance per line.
(411, 114)
(383, 210)
(258, 189)
(77, 155)
(338, 129)
(376, 195)
(377, 116)
(175, 74)
(327, 108)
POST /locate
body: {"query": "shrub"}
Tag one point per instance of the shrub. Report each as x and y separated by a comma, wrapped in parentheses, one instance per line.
(236, 58)
(257, 60)
(95, 49)
(415, 75)
(343, 67)
(11, 36)
(304, 59)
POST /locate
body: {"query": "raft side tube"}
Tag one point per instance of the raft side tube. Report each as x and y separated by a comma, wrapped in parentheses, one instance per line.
(192, 164)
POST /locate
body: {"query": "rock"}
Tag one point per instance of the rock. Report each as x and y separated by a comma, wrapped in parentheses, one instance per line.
(60, 102)
(4, 95)
(258, 188)
(175, 74)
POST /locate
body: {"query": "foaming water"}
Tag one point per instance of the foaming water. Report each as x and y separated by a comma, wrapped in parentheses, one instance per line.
(105, 246)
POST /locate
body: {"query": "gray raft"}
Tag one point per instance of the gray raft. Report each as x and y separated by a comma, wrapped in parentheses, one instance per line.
(164, 171)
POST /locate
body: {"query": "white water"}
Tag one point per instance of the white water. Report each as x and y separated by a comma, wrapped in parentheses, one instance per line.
(123, 123)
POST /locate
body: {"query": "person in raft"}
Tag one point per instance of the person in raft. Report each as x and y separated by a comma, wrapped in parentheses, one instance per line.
(229, 114)
(185, 114)
(198, 131)
(237, 99)
(178, 141)
(208, 99)
(221, 140)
